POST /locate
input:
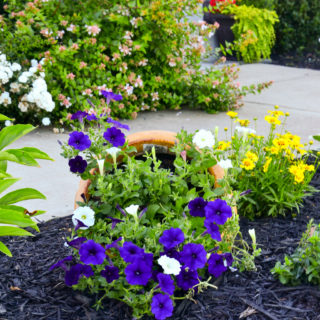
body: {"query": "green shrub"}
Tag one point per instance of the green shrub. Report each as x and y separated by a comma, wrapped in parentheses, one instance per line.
(262, 4)
(304, 264)
(253, 31)
(147, 51)
(299, 26)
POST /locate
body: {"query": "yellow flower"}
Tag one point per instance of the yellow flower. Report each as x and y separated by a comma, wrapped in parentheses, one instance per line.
(225, 129)
(267, 163)
(272, 120)
(232, 114)
(311, 142)
(287, 114)
(252, 156)
(274, 150)
(247, 164)
(276, 113)
(281, 143)
(243, 123)
(224, 145)
(276, 107)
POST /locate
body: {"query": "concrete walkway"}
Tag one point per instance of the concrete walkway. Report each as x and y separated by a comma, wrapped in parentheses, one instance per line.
(296, 91)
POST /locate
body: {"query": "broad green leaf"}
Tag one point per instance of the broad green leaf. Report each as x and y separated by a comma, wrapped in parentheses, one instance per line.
(6, 183)
(23, 157)
(4, 174)
(4, 249)
(17, 218)
(36, 153)
(13, 231)
(21, 195)
(3, 165)
(3, 117)
(12, 133)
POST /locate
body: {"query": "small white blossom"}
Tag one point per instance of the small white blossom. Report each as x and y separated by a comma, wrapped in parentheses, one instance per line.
(244, 131)
(129, 89)
(46, 121)
(5, 98)
(15, 67)
(225, 164)
(85, 215)
(132, 210)
(203, 138)
(169, 265)
(113, 151)
(8, 123)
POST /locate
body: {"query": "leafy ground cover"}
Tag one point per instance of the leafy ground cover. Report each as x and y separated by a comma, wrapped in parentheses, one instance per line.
(29, 290)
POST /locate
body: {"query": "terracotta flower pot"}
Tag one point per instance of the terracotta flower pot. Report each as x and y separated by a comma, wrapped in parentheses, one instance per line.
(141, 140)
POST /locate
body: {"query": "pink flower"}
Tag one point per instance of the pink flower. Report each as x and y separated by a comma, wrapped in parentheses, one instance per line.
(61, 97)
(87, 92)
(64, 22)
(82, 65)
(71, 28)
(70, 76)
(93, 40)
(93, 30)
(121, 106)
(62, 48)
(75, 46)
(60, 34)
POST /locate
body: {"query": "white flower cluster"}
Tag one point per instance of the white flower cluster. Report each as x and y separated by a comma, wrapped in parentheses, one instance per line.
(29, 80)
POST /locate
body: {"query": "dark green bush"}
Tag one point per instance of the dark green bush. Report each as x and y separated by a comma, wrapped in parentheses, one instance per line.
(299, 27)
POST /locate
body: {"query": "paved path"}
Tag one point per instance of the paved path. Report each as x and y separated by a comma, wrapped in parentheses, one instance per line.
(295, 90)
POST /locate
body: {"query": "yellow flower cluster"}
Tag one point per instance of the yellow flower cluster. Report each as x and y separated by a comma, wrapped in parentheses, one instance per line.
(224, 145)
(298, 171)
(232, 114)
(244, 122)
(273, 116)
(249, 162)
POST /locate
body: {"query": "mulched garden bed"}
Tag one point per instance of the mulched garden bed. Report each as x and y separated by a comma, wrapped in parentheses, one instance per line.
(29, 290)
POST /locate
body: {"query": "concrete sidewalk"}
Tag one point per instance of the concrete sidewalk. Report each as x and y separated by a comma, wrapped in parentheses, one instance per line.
(296, 91)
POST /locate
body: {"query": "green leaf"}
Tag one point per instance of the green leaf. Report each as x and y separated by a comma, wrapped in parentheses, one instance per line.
(4, 249)
(6, 183)
(17, 218)
(3, 165)
(316, 138)
(13, 231)
(3, 117)
(21, 195)
(36, 153)
(12, 133)
(23, 157)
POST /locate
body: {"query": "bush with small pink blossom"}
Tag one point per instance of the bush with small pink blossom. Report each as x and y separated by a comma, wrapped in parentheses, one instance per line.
(147, 51)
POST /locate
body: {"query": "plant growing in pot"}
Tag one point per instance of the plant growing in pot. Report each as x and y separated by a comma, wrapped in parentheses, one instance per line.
(151, 227)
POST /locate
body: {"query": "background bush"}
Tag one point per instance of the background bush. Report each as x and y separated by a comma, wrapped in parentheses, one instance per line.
(299, 26)
(262, 4)
(147, 51)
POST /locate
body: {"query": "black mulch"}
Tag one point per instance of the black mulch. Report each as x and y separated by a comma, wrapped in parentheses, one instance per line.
(29, 290)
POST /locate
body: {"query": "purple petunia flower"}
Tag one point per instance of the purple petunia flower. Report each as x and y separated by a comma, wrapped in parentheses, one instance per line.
(171, 238)
(197, 206)
(92, 117)
(218, 211)
(228, 258)
(75, 272)
(166, 283)
(92, 253)
(171, 253)
(186, 279)
(115, 137)
(79, 225)
(212, 229)
(114, 221)
(79, 140)
(62, 263)
(161, 306)
(79, 115)
(194, 256)
(147, 258)
(129, 252)
(216, 265)
(110, 273)
(118, 124)
(109, 95)
(77, 164)
(76, 243)
(138, 273)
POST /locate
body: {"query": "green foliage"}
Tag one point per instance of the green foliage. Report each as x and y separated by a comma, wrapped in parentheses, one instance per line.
(262, 4)
(274, 168)
(13, 216)
(146, 50)
(299, 27)
(303, 266)
(254, 32)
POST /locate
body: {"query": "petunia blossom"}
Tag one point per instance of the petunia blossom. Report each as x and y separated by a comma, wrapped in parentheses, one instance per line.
(77, 164)
(169, 265)
(216, 265)
(138, 273)
(115, 137)
(194, 256)
(218, 211)
(79, 140)
(92, 253)
(203, 139)
(111, 273)
(171, 238)
(85, 215)
(161, 306)
(197, 206)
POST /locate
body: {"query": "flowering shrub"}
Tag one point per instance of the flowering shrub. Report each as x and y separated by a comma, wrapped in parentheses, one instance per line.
(273, 168)
(161, 230)
(26, 90)
(149, 52)
(217, 6)
(304, 264)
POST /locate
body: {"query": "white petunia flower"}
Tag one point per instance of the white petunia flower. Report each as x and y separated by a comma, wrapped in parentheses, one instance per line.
(169, 265)
(225, 164)
(85, 215)
(101, 166)
(132, 210)
(244, 131)
(203, 138)
(113, 151)
(46, 121)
